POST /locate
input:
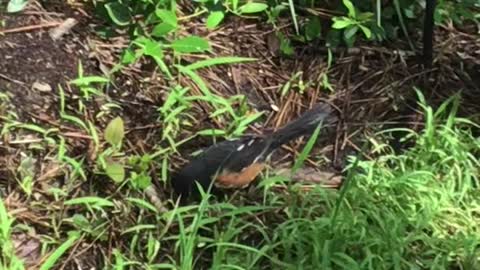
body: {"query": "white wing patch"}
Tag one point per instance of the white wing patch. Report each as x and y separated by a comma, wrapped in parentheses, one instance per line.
(241, 147)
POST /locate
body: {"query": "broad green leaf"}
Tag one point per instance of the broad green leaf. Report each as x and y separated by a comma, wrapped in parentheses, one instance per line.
(252, 7)
(286, 46)
(350, 31)
(365, 16)
(118, 12)
(153, 49)
(190, 44)
(115, 171)
(313, 28)
(115, 131)
(350, 41)
(128, 57)
(214, 19)
(16, 5)
(366, 31)
(351, 9)
(141, 181)
(167, 16)
(81, 222)
(339, 23)
(162, 29)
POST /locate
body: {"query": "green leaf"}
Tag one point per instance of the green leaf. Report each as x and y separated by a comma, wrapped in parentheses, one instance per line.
(144, 181)
(313, 28)
(153, 49)
(366, 31)
(212, 132)
(115, 131)
(409, 13)
(197, 80)
(81, 222)
(128, 57)
(190, 44)
(115, 171)
(350, 31)
(285, 45)
(162, 29)
(142, 204)
(141, 181)
(351, 9)
(214, 19)
(16, 5)
(167, 16)
(92, 201)
(55, 256)
(342, 22)
(119, 13)
(252, 7)
(349, 41)
(365, 16)
(83, 81)
(219, 61)
(307, 149)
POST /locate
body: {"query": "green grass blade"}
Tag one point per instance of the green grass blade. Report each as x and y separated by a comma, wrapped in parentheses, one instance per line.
(53, 258)
(219, 61)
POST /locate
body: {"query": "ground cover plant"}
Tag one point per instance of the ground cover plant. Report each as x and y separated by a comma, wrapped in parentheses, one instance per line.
(100, 101)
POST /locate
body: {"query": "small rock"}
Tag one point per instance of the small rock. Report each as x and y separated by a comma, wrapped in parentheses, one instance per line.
(41, 86)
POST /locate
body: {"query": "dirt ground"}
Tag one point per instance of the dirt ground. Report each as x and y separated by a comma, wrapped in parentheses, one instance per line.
(372, 86)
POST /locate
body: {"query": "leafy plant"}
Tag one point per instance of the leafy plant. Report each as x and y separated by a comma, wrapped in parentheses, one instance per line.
(87, 84)
(14, 6)
(114, 133)
(295, 83)
(26, 171)
(353, 22)
(457, 11)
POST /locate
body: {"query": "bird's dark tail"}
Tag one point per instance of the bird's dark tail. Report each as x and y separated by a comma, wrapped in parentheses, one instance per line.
(303, 125)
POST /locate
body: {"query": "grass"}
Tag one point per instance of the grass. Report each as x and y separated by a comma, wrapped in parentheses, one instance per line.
(414, 210)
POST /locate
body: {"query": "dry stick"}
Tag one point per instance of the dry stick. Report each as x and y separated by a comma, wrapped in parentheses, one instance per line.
(29, 28)
(5, 77)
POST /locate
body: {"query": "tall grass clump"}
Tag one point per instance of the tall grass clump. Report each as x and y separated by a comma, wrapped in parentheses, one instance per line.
(416, 210)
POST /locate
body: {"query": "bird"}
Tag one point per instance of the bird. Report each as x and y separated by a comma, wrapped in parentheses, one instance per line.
(234, 164)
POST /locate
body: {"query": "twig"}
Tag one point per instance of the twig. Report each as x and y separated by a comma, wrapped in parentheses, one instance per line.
(29, 28)
(11, 80)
